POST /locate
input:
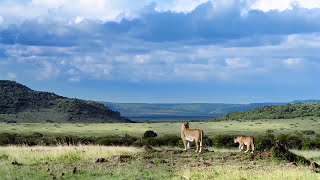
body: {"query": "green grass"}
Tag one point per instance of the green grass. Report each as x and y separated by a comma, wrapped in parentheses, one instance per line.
(286, 126)
(59, 162)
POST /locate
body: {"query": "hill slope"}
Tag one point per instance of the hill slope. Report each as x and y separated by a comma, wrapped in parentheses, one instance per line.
(286, 111)
(22, 104)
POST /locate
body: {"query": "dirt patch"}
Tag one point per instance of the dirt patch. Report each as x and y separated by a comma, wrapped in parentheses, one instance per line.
(206, 150)
(146, 148)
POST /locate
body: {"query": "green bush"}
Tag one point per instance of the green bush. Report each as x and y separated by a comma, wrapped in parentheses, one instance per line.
(224, 141)
(208, 142)
(291, 142)
(264, 143)
(310, 144)
(149, 134)
(282, 153)
(308, 132)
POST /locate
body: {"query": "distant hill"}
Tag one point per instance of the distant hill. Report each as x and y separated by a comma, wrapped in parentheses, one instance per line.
(306, 101)
(22, 104)
(286, 111)
(180, 111)
(186, 111)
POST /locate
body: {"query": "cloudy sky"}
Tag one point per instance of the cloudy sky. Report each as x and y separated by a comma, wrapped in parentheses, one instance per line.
(232, 51)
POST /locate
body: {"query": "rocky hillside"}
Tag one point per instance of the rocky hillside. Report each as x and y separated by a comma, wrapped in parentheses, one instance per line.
(22, 104)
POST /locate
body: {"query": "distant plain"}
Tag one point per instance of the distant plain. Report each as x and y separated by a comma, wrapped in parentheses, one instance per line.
(240, 127)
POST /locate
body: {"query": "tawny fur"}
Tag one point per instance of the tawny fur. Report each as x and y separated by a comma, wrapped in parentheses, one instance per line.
(190, 135)
(245, 140)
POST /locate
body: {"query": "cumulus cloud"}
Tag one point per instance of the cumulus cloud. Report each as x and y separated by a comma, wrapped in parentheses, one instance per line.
(204, 25)
(47, 71)
(218, 40)
(267, 5)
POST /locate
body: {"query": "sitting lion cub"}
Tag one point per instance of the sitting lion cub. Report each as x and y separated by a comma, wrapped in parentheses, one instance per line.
(190, 135)
(245, 140)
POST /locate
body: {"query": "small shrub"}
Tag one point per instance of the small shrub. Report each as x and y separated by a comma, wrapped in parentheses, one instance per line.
(290, 142)
(207, 141)
(311, 144)
(224, 141)
(269, 131)
(11, 122)
(36, 134)
(308, 132)
(149, 134)
(264, 143)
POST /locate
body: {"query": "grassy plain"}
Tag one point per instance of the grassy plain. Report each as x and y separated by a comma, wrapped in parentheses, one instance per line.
(256, 127)
(59, 163)
(166, 163)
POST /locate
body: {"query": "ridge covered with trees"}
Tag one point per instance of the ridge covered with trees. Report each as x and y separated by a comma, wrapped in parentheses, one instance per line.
(287, 111)
(19, 103)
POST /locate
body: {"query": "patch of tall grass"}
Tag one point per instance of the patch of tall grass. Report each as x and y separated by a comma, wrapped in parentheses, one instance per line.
(62, 154)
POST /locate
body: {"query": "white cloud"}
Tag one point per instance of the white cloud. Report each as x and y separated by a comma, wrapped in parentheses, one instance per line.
(74, 79)
(178, 5)
(1, 20)
(88, 65)
(78, 19)
(267, 5)
(141, 59)
(72, 72)
(294, 63)
(12, 76)
(237, 63)
(108, 10)
(48, 71)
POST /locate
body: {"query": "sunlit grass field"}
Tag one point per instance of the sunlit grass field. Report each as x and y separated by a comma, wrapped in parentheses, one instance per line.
(59, 163)
(256, 127)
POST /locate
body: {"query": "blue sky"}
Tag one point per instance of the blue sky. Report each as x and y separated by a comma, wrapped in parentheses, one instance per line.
(231, 51)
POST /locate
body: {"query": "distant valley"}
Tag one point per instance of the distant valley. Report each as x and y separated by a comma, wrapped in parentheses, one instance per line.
(156, 112)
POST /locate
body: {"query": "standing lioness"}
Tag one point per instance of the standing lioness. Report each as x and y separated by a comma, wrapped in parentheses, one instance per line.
(245, 140)
(189, 135)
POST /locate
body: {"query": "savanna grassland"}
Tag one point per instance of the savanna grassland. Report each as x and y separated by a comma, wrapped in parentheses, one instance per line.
(243, 127)
(80, 162)
(100, 162)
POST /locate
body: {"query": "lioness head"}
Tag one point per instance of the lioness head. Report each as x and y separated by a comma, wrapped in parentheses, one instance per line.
(186, 125)
(235, 140)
